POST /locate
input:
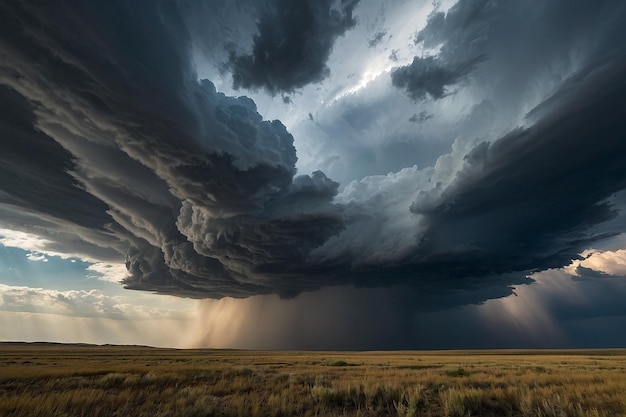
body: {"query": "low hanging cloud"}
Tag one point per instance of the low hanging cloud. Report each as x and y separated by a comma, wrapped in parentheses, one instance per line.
(294, 42)
(142, 163)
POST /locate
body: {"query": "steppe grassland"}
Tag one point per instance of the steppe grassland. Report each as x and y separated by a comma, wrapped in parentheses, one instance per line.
(57, 380)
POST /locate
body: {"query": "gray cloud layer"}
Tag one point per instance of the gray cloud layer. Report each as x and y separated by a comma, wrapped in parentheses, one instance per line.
(200, 195)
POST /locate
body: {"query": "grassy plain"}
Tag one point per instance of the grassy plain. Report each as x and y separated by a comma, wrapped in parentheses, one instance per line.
(75, 380)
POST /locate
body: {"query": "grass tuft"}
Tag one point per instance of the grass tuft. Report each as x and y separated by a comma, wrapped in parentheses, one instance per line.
(457, 372)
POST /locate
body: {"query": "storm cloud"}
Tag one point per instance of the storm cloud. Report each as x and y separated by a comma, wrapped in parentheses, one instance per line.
(294, 42)
(511, 204)
(113, 149)
(153, 166)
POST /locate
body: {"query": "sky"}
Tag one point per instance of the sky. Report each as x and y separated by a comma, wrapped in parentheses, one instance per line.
(314, 174)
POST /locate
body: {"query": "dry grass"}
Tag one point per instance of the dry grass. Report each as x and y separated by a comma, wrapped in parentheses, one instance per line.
(58, 380)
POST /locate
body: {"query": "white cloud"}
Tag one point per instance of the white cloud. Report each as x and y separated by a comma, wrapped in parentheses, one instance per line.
(36, 257)
(37, 248)
(384, 201)
(107, 271)
(28, 242)
(607, 262)
(81, 303)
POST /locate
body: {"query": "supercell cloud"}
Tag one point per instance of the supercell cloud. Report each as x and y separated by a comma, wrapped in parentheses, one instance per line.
(112, 148)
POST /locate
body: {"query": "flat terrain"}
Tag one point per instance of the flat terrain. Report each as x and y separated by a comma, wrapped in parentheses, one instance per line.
(80, 380)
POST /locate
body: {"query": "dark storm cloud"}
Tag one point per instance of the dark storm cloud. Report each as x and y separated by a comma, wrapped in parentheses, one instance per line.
(462, 33)
(468, 21)
(33, 168)
(532, 198)
(294, 42)
(519, 43)
(199, 194)
(531, 29)
(430, 76)
(193, 187)
(38, 194)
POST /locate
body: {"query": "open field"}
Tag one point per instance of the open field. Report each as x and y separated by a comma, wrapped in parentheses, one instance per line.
(74, 380)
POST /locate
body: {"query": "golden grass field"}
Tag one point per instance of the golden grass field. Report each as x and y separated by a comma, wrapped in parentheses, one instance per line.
(75, 380)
